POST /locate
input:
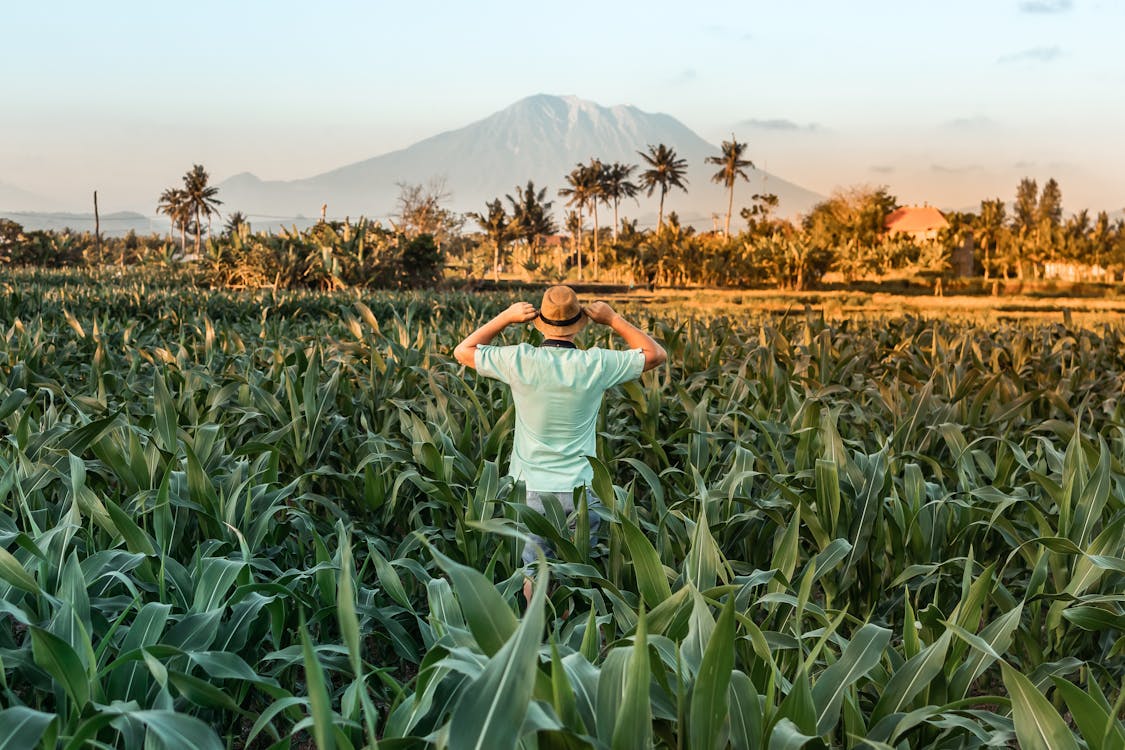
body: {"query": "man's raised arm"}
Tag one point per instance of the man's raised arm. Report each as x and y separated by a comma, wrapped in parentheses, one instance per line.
(466, 351)
(635, 338)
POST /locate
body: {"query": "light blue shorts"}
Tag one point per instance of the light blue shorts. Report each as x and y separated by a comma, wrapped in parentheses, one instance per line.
(566, 500)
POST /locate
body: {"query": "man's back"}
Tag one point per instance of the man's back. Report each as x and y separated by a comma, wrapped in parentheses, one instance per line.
(557, 394)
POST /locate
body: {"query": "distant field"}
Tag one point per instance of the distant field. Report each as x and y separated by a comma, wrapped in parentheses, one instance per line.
(837, 304)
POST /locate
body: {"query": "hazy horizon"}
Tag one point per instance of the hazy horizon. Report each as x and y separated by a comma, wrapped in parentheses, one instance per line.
(946, 109)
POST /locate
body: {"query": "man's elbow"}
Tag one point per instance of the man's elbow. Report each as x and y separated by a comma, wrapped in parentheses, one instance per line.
(655, 357)
(466, 355)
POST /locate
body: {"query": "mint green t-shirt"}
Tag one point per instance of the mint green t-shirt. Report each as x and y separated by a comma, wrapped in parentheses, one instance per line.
(557, 393)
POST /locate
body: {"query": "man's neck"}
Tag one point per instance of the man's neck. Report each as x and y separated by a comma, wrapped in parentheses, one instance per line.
(559, 342)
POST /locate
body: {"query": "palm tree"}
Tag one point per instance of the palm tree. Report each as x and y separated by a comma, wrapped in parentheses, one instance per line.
(531, 215)
(234, 224)
(201, 198)
(597, 173)
(498, 228)
(990, 223)
(666, 170)
(582, 182)
(174, 204)
(572, 222)
(731, 167)
(616, 186)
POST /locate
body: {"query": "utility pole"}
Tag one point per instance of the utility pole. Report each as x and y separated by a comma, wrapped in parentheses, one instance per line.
(97, 227)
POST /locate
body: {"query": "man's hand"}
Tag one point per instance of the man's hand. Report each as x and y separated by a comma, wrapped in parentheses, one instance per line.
(600, 312)
(466, 351)
(520, 312)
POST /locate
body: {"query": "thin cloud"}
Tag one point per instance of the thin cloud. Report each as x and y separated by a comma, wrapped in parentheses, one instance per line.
(976, 122)
(1046, 6)
(685, 76)
(726, 32)
(946, 169)
(1034, 54)
(780, 124)
(882, 169)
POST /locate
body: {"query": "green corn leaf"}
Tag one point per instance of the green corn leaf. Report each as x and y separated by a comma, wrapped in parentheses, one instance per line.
(745, 713)
(1088, 569)
(700, 626)
(488, 616)
(1094, 618)
(216, 576)
(12, 402)
(633, 728)
(345, 603)
(828, 495)
(603, 484)
(58, 659)
(1100, 731)
(14, 573)
(994, 639)
(786, 735)
(1038, 724)
(562, 692)
(860, 656)
(167, 419)
(912, 677)
(201, 692)
(179, 730)
(1088, 509)
(670, 616)
(22, 727)
(652, 582)
(136, 540)
(868, 504)
(490, 713)
(320, 707)
(590, 639)
(787, 551)
(798, 704)
(709, 707)
(702, 565)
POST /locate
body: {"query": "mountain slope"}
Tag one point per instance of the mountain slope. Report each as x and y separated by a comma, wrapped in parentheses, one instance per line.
(539, 138)
(13, 198)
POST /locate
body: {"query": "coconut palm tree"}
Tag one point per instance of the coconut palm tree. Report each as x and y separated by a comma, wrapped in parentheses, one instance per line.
(616, 186)
(174, 204)
(572, 222)
(666, 170)
(597, 175)
(235, 223)
(497, 226)
(581, 190)
(990, 223)
(731, 167)
(201, 198)
(531, 215)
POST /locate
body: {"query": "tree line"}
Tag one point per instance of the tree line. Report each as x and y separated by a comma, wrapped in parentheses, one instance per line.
(518, 235)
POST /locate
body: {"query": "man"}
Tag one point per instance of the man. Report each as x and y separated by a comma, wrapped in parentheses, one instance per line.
(557, 390)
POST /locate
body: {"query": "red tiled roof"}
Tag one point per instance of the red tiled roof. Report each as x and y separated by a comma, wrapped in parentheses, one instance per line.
(915, 219)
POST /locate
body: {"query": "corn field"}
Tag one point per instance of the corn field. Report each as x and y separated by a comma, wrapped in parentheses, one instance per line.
(280, 520)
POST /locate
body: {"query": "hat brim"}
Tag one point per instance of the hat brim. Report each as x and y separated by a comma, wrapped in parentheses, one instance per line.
(550, 330)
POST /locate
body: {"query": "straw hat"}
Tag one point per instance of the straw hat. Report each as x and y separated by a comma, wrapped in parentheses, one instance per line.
(560, 314)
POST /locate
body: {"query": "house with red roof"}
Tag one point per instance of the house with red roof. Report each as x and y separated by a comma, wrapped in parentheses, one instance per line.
(920, 223)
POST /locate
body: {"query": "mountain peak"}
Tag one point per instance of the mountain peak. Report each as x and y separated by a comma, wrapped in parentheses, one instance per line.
(540, 137)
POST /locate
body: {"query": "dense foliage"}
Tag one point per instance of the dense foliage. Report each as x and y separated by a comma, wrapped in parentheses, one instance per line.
(270, 517)
(426, 242)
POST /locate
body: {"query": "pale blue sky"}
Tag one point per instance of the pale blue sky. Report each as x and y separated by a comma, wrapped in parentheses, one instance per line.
(943, 102)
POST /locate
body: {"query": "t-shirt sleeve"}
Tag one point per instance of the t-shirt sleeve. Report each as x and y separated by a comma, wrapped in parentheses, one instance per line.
(621, 366)
(494, 362)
